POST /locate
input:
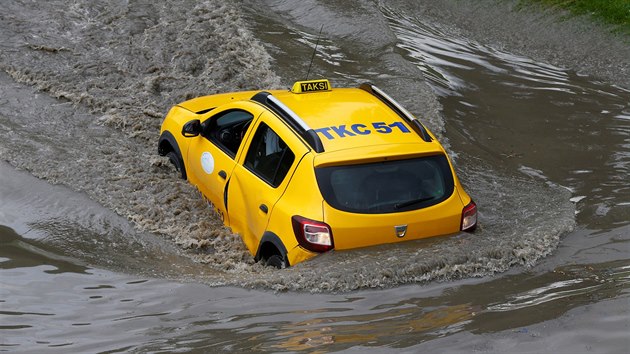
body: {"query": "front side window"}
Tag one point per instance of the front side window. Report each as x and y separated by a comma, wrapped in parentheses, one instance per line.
(227, 129)
(268, 156)
(387, 187)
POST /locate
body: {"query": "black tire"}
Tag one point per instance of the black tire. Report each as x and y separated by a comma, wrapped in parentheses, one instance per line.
(176, 160)
(275, 260)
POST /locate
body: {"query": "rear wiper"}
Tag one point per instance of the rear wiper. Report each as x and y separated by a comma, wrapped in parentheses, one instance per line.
(412, 202)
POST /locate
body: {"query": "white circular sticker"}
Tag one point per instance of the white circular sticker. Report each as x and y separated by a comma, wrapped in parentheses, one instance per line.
(207, 162)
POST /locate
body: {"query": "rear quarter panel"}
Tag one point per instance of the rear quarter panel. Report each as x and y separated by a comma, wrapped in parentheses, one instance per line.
(302, 197)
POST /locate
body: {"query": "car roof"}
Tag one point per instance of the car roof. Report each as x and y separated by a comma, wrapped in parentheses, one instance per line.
(342, 118)
(352, 118)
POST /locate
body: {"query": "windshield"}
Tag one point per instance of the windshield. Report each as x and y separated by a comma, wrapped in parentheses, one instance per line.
(387, 187)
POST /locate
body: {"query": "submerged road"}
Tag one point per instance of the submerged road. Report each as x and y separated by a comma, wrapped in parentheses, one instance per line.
(535, 113)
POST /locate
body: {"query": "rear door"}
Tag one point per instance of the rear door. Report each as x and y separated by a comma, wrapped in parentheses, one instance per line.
(261, 177)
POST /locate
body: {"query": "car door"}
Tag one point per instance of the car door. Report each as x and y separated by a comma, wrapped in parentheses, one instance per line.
(261, 177)
(213, 154)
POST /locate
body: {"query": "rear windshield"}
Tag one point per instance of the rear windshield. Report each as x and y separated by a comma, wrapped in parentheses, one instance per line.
(387, 187)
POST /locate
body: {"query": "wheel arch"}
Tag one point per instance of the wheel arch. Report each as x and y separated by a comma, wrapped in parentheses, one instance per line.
(269, 245)
(168, 143)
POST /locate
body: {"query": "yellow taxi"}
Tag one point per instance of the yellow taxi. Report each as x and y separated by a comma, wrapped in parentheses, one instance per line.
(304, 171)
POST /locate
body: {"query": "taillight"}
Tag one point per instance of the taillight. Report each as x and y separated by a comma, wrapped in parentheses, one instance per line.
(315, 236)
(469, 217)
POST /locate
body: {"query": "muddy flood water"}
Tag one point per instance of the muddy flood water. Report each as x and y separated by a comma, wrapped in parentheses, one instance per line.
(104, 249)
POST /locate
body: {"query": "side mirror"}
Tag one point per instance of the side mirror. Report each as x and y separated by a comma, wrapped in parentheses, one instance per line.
(192, 128)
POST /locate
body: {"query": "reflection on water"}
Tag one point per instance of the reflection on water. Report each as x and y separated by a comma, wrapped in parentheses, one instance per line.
(582, 280)
(49, 302)
(60, 224)
(16, 252)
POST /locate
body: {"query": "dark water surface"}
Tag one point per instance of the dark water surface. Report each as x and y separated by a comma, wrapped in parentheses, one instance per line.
(85, 268)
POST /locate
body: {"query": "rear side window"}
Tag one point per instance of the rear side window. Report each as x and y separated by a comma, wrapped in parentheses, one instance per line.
(387, 187)
(268, 156)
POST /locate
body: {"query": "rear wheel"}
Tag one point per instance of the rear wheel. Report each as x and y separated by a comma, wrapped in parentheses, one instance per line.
(176, 160)
(277, 261)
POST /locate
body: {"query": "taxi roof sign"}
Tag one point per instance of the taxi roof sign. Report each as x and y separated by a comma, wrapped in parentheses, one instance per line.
(311, 86)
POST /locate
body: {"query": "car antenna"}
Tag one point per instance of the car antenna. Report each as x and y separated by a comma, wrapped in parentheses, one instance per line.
(314, 50)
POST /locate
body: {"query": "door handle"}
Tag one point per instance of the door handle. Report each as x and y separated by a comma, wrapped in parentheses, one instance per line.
(263, 208)
(222, 174)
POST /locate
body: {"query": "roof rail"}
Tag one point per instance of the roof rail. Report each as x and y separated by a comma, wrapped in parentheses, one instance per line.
(400, 110)
(287, 115)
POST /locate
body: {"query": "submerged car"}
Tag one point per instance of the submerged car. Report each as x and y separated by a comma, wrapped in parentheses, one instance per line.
(300, 172)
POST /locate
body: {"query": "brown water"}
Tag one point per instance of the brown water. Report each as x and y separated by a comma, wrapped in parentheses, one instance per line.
(93, 266)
